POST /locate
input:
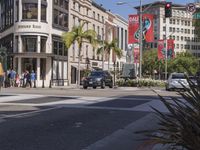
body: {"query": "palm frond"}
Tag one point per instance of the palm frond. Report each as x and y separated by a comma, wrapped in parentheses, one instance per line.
(100, 50)
(180, 127)
(69, 38)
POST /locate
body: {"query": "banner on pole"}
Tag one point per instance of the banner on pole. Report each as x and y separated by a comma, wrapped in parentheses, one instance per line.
(170, 49)
(134, 28)
(162, 51)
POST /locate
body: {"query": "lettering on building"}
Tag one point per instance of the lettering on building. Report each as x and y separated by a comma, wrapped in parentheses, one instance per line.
(29, 26)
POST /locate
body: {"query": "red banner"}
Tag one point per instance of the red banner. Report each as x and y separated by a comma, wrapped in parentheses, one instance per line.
(170, 49)
(161, 49)
(136, 52)
(134, 28)
(147, 27)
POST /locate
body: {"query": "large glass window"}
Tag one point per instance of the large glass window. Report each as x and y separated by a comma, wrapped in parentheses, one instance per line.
(55, 47)
(29, 11)
(59, 48)
(43, 44)
(17, 11)
(29, 43)
(7, 14)
(43, 12)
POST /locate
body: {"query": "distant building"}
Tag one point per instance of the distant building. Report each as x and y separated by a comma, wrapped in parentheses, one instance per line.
(179, 27)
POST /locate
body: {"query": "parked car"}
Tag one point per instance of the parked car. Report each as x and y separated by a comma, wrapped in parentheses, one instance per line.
(98, 78)
(193, 79)
(176, 81)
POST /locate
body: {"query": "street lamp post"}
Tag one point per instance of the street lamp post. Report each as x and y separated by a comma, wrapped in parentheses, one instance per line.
(140, 62)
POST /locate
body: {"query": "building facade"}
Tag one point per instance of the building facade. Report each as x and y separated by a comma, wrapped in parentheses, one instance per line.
(178, 27)
(31, 31)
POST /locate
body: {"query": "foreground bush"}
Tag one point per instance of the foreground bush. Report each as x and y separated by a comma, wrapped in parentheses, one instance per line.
(180, 127)
(140, 83)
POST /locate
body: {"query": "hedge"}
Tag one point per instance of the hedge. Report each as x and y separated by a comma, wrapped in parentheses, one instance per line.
(140, 83)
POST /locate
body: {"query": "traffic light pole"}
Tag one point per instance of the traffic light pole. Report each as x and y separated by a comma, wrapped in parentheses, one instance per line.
(140, 40)
(166, 48)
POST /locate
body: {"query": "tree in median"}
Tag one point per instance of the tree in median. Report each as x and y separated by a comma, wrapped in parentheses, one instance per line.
(107, 47)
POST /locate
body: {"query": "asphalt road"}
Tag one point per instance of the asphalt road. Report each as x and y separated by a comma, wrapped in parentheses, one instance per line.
(75, 120)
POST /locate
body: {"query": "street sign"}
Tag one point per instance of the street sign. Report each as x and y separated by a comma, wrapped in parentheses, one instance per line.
(191, 7)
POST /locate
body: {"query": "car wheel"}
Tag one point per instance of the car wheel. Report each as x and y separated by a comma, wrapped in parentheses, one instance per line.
(94, 87)
(103, 84)
(85, 87)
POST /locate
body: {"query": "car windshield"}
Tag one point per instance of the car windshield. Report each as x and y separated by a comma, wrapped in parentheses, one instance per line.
(178, 76)
(96, 73)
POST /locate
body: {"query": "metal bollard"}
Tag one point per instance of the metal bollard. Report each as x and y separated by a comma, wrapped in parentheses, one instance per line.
(50, 84)
(34, 84)
(43, 83)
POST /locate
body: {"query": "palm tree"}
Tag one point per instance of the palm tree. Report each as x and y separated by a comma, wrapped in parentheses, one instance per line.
(107, 47)
(79, 35)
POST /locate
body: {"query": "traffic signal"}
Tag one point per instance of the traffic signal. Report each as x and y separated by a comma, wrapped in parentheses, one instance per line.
(168, 9)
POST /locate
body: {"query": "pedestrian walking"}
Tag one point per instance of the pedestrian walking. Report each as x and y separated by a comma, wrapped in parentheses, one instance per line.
(28, 79)
(17, 80)
(33, 78)
(12, 78)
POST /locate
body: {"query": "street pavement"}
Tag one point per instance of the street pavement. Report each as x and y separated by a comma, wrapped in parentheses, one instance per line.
(78, 119)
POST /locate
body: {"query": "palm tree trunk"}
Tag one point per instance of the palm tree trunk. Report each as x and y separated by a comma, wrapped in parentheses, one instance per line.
(78, 76)
(103, 61)
(109, 62)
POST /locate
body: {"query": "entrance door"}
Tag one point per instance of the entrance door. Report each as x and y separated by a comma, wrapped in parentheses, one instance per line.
(73, 75)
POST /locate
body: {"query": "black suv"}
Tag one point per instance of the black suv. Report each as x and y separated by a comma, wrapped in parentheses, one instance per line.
(98, 78)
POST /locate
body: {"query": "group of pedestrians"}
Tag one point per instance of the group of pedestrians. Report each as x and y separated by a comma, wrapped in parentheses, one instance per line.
(27, 79)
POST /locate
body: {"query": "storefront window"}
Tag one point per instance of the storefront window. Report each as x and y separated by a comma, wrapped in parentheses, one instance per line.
(43, 44)
(43, 68)
(29, 64)
(43, 12)
(30, 11)
(29, 43)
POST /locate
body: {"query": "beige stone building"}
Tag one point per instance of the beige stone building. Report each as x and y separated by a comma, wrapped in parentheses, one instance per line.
(32, 36)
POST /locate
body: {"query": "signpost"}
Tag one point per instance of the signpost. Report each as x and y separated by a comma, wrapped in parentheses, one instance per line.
(191, 7)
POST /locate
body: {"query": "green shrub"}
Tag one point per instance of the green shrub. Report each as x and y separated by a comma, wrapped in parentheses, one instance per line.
(140, 83)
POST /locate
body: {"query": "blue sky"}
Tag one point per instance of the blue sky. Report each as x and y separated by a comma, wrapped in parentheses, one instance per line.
(124, 10)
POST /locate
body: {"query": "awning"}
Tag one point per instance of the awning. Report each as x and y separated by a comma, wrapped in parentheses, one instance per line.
(82, 66)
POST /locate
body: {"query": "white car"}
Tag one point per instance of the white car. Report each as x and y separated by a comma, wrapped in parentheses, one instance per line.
(176, 81)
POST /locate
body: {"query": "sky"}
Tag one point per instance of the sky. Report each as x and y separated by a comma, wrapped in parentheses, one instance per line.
(125, 10)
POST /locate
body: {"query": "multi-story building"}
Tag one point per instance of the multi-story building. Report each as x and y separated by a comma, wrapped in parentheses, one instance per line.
(178, 27)
(31, 31)
(122, 36)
